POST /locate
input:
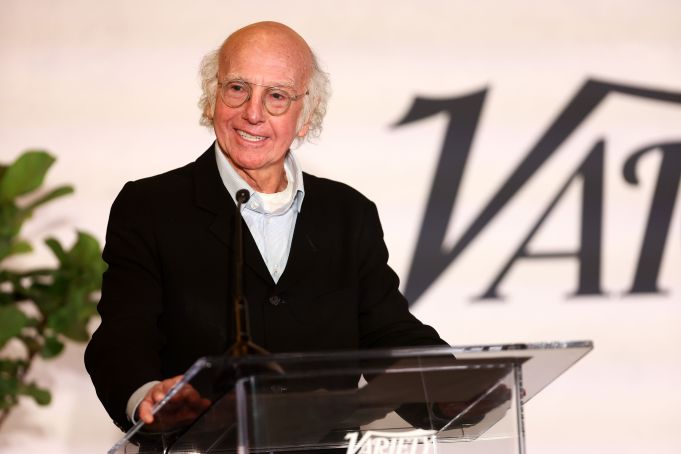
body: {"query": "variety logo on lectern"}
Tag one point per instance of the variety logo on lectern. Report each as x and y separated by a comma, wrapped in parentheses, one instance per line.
(417, 441)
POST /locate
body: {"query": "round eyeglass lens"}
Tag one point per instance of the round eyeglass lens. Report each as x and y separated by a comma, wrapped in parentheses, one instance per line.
(234, 93)
(277, 101)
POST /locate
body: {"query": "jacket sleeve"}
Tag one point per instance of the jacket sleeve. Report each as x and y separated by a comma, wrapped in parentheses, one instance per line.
(384, 317)
(124, 351)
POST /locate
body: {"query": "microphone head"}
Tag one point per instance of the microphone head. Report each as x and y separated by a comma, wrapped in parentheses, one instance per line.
(242, 195)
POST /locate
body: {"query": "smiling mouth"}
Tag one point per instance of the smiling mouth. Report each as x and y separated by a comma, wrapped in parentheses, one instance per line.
(249, 137)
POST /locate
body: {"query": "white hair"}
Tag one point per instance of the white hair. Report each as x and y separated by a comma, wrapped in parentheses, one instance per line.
(314, 104)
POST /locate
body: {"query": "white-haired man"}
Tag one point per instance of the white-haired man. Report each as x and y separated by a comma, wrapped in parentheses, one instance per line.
(316, 274)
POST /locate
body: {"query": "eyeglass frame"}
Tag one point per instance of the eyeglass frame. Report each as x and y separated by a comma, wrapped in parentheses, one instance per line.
(247, 84)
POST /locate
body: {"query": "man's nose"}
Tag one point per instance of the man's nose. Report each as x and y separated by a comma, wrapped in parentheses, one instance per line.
(254, 110)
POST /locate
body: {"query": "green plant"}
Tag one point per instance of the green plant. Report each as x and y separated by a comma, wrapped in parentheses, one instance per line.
(39, 308)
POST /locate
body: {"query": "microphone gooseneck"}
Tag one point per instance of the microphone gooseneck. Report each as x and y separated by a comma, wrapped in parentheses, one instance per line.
(243, 344)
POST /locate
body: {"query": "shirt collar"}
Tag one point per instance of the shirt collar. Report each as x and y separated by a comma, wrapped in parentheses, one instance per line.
(233, 181)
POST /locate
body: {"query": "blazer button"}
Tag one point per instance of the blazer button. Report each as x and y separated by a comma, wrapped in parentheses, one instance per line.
(278, 389)
(275, 300)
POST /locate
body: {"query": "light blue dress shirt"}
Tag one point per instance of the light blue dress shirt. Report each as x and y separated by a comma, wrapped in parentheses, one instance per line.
(271, 230)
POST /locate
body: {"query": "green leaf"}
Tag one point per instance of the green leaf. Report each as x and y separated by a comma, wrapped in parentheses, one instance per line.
(86, 251)
(36, 273)
(12, 321)
(25, 174)
(32, 322)
(51, 348)
(8, 390)
(11, 219)
(53, 194)
(57, 249)
(67, 321)
(7, 400)
(40, 395)
(20, 247)
(11, 367)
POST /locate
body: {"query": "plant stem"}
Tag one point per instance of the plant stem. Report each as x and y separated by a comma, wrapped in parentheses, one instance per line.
(3, 416)
(21, 374)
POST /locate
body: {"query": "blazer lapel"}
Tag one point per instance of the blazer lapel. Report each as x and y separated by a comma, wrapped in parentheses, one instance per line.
(212, 196)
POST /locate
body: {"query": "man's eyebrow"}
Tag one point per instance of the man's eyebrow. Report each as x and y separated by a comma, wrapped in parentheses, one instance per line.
(234, 76)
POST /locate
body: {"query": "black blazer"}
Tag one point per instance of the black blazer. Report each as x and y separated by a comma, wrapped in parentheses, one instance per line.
(167, 296)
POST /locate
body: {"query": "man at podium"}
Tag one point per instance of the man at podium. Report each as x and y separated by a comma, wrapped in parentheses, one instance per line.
(315, 271)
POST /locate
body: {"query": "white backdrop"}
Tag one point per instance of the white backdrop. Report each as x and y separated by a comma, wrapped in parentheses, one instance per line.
(111, 90)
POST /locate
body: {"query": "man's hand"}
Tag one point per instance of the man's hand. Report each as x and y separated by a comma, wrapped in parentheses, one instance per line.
(501, 395)
(183, 407)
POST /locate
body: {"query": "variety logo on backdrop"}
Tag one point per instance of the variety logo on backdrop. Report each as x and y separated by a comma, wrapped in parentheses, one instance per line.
(431, 259)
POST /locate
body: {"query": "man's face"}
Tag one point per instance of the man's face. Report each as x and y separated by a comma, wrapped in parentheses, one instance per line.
(255, 141)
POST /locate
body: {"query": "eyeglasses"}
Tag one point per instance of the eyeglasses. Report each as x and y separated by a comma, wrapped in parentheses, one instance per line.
(235, 93)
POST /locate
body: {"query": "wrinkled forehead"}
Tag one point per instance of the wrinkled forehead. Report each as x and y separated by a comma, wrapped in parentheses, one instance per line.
(275, 57)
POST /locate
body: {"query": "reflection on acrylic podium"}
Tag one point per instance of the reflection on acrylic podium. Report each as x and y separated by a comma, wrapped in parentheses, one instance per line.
(416, 400)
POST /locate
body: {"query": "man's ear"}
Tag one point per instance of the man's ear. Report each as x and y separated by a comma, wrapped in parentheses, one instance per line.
(209, 111)
(303, 131)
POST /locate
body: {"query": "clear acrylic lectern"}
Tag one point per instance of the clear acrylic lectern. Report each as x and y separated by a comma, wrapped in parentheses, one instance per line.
(416, 400)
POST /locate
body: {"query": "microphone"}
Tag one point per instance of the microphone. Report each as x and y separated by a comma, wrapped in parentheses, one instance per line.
(242, 196)
(243, 344)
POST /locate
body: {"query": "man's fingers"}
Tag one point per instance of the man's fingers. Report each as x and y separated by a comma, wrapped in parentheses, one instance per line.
(144, 412)
(183, 407)
(154, 395)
